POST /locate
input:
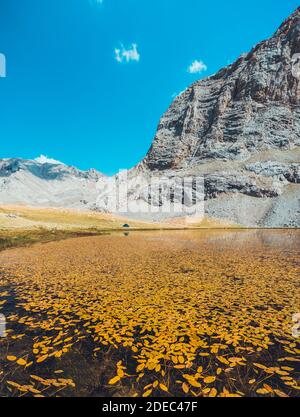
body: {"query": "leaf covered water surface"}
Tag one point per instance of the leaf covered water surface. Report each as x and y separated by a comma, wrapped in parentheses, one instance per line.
(204, 313)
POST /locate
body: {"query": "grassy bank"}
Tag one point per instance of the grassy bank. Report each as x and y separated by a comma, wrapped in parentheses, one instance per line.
(19, 238)
(19, 217)
(23, 226)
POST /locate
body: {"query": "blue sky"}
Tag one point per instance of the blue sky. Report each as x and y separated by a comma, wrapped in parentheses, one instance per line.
(87, 80)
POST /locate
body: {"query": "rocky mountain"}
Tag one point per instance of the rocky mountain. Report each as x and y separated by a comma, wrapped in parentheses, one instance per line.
(247, 107)
(48, 183)
(240, 129)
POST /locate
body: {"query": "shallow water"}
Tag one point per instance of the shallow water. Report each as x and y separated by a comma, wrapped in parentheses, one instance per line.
(188, 313)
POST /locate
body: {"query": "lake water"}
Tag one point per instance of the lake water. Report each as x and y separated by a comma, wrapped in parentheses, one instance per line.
(186, 313)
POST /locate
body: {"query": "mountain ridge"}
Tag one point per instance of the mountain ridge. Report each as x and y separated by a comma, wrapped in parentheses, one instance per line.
(25, 181)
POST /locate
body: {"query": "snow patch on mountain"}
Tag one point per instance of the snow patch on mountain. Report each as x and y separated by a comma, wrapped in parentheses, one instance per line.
(42, 159)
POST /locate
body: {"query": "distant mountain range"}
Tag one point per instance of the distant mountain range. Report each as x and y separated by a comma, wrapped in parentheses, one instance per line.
(240, 129)
(47, 183)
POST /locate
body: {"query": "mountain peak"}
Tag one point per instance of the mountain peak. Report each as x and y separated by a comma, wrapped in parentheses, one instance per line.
(248, 107)
(42, 159)
(240, 130)
(45, 182)
(292, 21)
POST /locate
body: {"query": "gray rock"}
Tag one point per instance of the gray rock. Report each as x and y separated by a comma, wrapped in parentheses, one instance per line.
(247, 107)
(289, 172)
(240, 129)
(229, 183)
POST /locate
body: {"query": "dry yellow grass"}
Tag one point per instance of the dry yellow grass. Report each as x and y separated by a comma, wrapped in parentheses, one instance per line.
(19, 217)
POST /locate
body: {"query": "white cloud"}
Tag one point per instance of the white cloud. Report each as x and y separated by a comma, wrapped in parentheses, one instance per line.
(127, 55)
(42, 159)
(196, 67)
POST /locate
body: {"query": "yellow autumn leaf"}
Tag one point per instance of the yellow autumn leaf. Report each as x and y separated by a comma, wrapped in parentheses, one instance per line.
(114, 380)
(147, 393)
(194, 383)
(280, 393)
(259, 365)
(268, 388)
(140, 367)
(280, 372)
(163, 387)
(42, 358)
(185, 388)
(13, 384)
(213, 392)
(209, 379)
(34, 390)
(37, 378)
(223, 360)
(262, 391)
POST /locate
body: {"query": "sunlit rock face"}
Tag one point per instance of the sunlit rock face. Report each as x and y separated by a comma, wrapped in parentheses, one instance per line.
(240, 129)
(247, 107)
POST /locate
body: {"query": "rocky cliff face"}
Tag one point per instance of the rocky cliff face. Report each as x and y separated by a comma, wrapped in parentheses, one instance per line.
(250, 106)
(240, 129)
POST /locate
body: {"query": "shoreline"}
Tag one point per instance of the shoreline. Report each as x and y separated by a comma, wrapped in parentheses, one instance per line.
(14, 238)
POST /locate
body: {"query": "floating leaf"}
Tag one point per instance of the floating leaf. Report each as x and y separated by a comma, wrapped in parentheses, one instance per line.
(163, 387)
(213, 392)
(185, 388)
(114, 380)
(209, 379)
(147, 393)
